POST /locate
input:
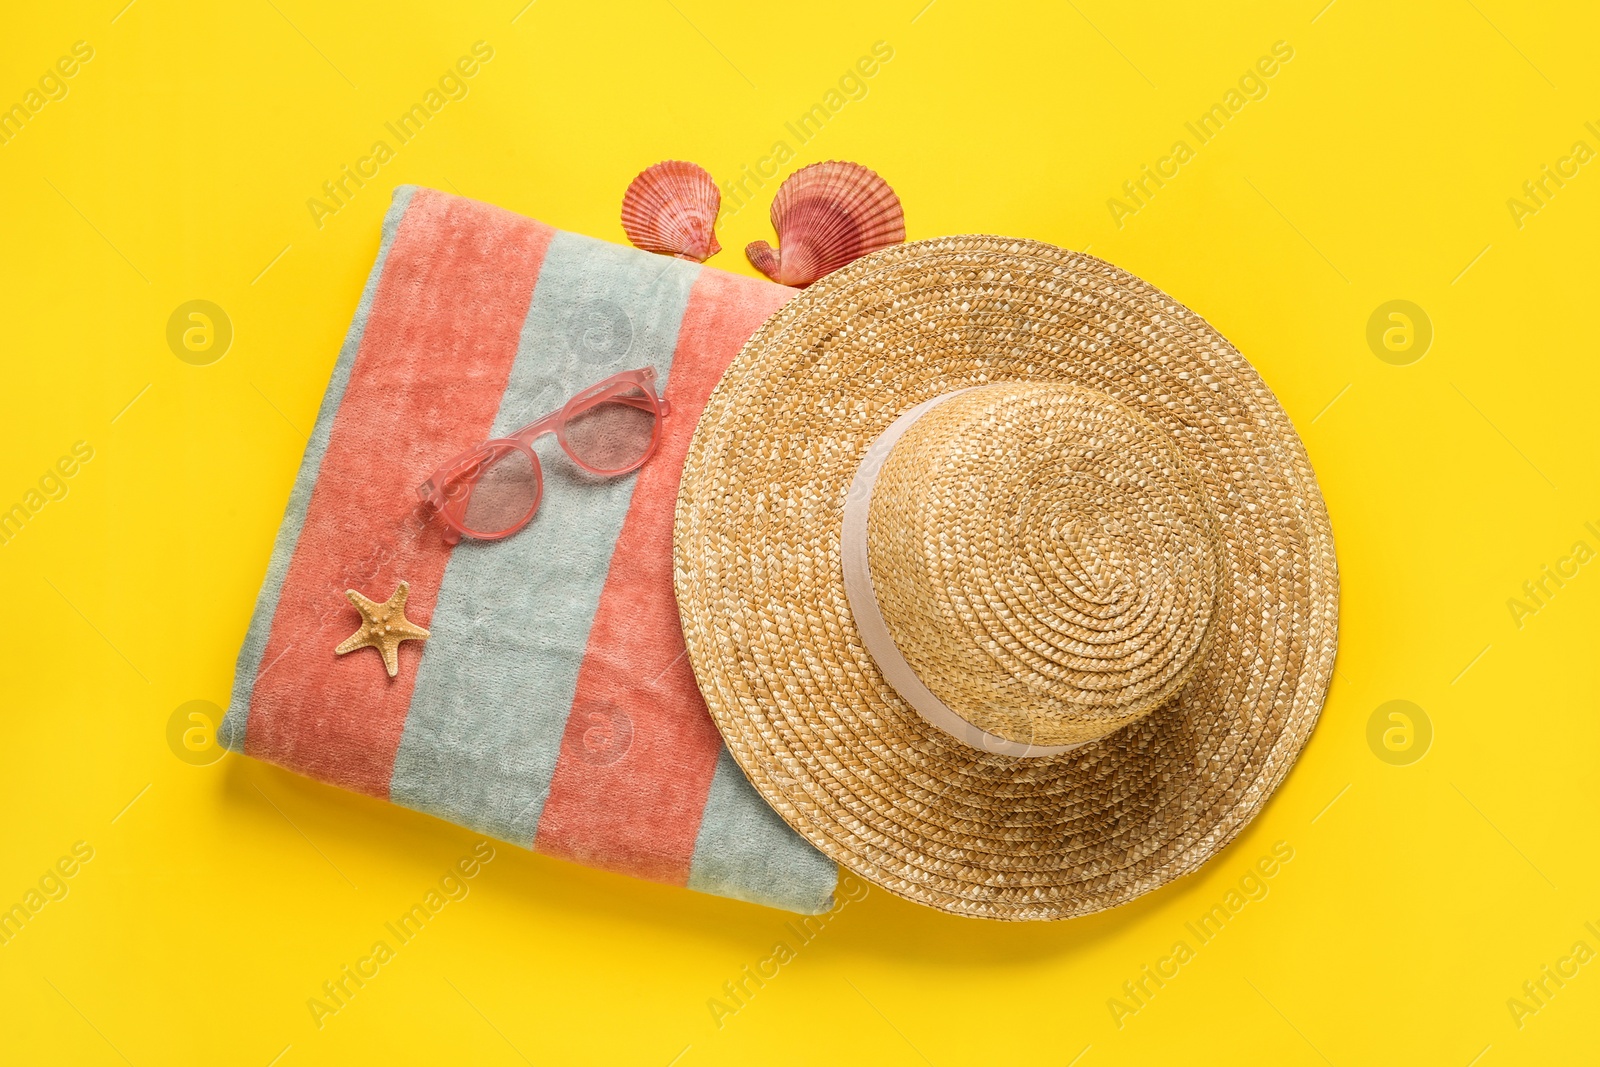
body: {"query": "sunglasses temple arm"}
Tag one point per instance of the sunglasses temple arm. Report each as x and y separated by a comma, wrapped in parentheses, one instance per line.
(650, 403)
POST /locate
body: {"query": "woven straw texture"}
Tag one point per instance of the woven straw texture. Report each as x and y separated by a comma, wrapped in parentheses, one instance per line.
(1044, 559)
(1094, 608)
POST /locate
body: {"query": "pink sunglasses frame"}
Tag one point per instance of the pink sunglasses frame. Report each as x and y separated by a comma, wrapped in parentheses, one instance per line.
(434, 494)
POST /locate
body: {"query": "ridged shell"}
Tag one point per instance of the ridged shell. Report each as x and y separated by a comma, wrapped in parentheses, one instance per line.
(671, 208)
(827, 215)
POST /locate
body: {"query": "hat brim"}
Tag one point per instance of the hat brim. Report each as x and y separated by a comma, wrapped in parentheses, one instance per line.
(804, 710)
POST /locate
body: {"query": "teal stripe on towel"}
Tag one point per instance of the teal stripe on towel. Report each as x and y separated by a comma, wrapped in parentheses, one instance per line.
(746, 851)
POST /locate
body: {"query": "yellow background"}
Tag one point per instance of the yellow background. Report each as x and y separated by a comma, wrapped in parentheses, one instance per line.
(1377, 167)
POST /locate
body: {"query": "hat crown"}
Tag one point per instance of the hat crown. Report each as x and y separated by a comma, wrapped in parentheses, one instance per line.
(1044, 559)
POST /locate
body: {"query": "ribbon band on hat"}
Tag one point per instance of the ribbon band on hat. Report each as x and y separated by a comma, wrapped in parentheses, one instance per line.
(869, 620)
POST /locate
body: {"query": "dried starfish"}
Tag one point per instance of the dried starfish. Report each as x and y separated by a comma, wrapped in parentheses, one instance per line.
(383, 627)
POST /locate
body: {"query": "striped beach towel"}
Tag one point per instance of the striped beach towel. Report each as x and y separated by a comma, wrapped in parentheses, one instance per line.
(554, 706)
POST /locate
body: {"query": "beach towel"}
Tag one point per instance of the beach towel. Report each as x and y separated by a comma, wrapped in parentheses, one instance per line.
(553, 705)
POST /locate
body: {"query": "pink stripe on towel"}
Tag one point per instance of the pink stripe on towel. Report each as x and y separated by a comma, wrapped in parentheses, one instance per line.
(428, 380)
(639, 750)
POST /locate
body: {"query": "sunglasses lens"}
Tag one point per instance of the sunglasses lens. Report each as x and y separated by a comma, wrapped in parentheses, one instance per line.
(496, 493)
(613, 434)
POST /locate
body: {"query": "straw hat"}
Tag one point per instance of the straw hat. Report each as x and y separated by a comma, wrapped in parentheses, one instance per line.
(1005, 577)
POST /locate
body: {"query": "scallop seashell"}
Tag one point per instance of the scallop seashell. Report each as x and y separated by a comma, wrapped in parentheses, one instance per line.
(827, 215)
(671, 208)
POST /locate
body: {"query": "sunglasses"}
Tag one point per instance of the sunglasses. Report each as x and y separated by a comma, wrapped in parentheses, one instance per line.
(491, 491)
